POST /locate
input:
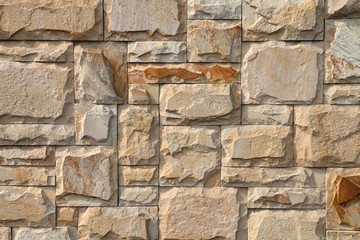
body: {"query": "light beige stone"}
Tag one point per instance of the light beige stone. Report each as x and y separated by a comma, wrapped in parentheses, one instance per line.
(200, 104)
(343, 9)
(283, 20)
(342, 94)
(190, 156)
(100, 72)
(214, 9)
(342, 235)
(51, 20)
(27, 176)
(138, 196)
(202, 213)
(27, 206)
(214, 41)
(67, 216)
(291, 224)
(267, 115)
(273, 177)
(138, 135)
(86, 176)
(138, 176)
(142, 93)
(282, 73)
(37, 156)
(327, 135)
(118, 223)
(5, 233)
(58, 233)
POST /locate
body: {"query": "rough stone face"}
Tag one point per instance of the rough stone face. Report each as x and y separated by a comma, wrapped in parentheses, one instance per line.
(138, 135)
(100, 72)
(5, 233)
(273, 177)
(138, 175)
(95, 124)
(342, 43)
(286, 198)
(257, 146)
(50, 100)
(138, 196)
(342, 94)
(118, 223)
(291, 224)
(184, 213)
(284, 20)
(51, 20)
(27, 176)
(267, 115)
(27, 206)
(343, 9)
(214, 9)
(282, 73)
(214, 41)
(200, 104)
(157, 51)
(327, 135)
(190, 156)
(343, 235)
(86, 176)
(37, 156)
(57, 233)
(67, 216)
(142, 93)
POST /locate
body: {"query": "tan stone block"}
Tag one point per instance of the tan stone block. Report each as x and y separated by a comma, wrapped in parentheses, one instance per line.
(138, 196)
(27, 176)
(267, 115)
(142, 93)
(57, 233)
(214, 9)
(342, 94)
(67, 216)
(35, 156)
(343, 9)
(5, 233)
(138, 176)
(342, 235)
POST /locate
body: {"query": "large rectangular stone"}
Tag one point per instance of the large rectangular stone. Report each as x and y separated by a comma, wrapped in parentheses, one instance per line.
(214, 9)
(27, 176)
(23, 156)
(267, 115)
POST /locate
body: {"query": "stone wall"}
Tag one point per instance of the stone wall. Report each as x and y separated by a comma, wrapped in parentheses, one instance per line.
(179, 119)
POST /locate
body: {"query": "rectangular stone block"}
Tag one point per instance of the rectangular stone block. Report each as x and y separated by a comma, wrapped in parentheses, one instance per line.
(27, 156)
(143, 93)
(345, 94)
(341, 235)
(138, 176)
(138, 196)
(67, 216)
(63, 233)
(214, 9)
(343, 9)
(5, 233)
(27, 176)
(267, 115)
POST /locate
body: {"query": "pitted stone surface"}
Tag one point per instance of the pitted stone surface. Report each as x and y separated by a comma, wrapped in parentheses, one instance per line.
(214, 9)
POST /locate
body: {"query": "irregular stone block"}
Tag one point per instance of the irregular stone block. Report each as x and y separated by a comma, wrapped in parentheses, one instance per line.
(138, 135)
(95, 124)
(343, 9)
(138, 196)
(282, 73)
(267, 115)
(136, 20)
(157, 52)
(86, 176)
(342, 43)
(100, 72)
(138, 176)
(342, 235)
(342, 94)
(36, 92)
(36, 134)
(214, 9)
(285, 20)
(214, 41)
(190, 156)
(51, 20)
(118, 223)
(5, 233)
(273, 177)
(67, 216)
(286, 198)
(200, 104)
(142, 93)
(291, 224)
(27, 176)
(37, 156)
(184, 213)
(327, 135)
(27, 206)
(57, 233)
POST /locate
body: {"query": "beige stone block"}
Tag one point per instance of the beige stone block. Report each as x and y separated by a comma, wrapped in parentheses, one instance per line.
(342, 235)
(214, 9)
(27, 156)
(67, 216)
(138, 196)
(63, 233)
(142, 93)
(343, 9)
(5, 233)
(138, 176)
(267, 115)
(345, 94)
(27, 176)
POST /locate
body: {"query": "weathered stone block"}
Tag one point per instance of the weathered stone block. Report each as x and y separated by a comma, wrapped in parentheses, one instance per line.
(39, 156)
(5, 233)
(142, 93)
(214, 9)
(67, 216)
(267, 115)
(57, 233)
(342, 94)
(138, 196)
(342, 235)
(138, 175)
(343, 9)
(27, 176)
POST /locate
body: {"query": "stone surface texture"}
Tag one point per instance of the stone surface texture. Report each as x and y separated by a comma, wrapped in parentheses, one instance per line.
(267, 115)
(344, 94)
(27, 156)
(343, 9)
(214, 9)
(62, 233)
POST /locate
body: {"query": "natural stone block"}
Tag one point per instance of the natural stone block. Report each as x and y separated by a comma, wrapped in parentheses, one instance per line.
(284, 20)
(342, 43)
(184, 73)
(327, 135)
(343, 9)
(39, 156)
(67, 216)
(27, 176)
(100, 72)
(138, 196)
(138, 175)
(273, 177)
(290, 224)
(190, 156)
(342, 235)
(95, 124)
(27, 206)
(282, 73)
(36, 92)
(200, 104)
(202, 213)
(118, 223)
(214, 41)
(214, 9)
(267, 115)
(57, 233)
(342, 94)
(86, 176)
(5, 233)
(134, 20)
(142, 93)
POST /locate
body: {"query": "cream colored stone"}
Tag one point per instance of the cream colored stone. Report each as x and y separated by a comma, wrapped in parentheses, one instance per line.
(214, 9)
(51, 20)
(282, 73)
(342, 235)
(342, 94)
(214, 41)
(343, 9)
(283, 20)
(202, 213)
(273, 177)
(27, 176)
(138, 196)
(86, 176)
(327, 136)
(200, 104)
(267, 115)
(138, 175)
(291, 224)
(138, 135)
(190, 156)
(27, 206)
(67, 216)
(39, 156)
(257, 146)
(58, 233)
(5, 233)
(100, 72)
(141, 93)
(118, 223)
